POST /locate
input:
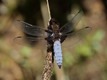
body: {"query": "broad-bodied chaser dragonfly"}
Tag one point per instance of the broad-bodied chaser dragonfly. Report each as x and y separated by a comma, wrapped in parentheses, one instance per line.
(55, 34)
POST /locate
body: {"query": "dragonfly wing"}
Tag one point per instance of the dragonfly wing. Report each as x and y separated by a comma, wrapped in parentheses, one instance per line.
(22, 40)
(81, 32)
(31, 29)
(68, 27)
(76, 36)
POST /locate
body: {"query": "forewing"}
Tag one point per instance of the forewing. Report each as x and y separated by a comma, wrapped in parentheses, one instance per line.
(31, 29)
(68, 27)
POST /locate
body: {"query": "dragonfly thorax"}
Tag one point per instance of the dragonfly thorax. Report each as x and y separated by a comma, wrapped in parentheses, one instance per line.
(53, 30)
(56, 36)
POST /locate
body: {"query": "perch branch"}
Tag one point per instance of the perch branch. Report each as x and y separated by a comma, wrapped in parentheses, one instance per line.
(47, 72)
(49, 13)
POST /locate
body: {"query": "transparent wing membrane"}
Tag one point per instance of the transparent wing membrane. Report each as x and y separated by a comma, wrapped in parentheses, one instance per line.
(21, 40)
(73, 36)
(32, 34)
(30, 29)
(76, 37)
(81, 32)
(68, 27)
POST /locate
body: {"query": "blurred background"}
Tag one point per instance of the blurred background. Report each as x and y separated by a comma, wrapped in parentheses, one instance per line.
(85, 61)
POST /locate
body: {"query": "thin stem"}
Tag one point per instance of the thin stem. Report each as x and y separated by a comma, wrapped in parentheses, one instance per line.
(48, 9)
(47, 72)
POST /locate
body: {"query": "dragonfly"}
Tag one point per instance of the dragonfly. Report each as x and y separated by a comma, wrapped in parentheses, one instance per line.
(56, 35)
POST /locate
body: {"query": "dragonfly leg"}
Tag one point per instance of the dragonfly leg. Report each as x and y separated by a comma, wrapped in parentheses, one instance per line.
(52, 57)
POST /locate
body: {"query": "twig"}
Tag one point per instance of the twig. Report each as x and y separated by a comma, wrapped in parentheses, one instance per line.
(47, 72)
(48, 9)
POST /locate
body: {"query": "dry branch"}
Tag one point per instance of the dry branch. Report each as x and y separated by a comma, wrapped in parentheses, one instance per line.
(47, 72)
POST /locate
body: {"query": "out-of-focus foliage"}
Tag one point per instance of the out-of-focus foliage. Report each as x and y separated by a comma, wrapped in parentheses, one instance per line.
(86, 61)
(25, 51)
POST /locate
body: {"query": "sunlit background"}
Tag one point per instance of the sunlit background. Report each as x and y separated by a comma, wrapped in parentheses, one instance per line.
(84, 57)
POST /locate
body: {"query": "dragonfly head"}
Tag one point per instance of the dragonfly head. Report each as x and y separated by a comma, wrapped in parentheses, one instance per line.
(54, 24)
